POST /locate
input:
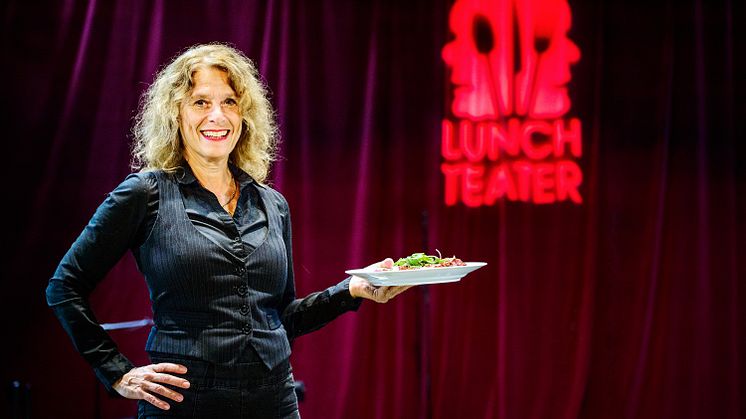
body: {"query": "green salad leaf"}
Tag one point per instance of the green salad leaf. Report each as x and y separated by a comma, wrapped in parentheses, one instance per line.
(418, 260)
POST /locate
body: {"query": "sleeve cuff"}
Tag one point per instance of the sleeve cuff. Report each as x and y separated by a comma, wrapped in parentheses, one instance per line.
(112, 370)
(341, 296)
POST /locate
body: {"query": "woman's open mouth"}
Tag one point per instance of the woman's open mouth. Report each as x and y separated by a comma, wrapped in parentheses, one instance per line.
(214, 134)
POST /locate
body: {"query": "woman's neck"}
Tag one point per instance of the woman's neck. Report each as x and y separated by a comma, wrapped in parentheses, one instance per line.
(213, 175)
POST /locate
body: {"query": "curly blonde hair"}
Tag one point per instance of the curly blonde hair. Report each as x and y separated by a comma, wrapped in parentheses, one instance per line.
(157, 139)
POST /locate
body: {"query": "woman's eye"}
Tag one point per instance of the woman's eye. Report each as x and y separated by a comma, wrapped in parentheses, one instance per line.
(231, 102)
(200, 103)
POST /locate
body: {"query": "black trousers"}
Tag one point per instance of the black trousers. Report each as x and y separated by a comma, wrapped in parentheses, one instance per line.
(240, 391)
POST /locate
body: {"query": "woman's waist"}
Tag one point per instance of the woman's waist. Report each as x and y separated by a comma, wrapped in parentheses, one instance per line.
(247, 372)
(237, 315)
(220, 345)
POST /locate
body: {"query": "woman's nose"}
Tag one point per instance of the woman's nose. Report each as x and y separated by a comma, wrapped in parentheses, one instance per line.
(216, 114)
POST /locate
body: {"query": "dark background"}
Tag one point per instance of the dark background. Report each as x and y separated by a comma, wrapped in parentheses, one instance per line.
(630, 305)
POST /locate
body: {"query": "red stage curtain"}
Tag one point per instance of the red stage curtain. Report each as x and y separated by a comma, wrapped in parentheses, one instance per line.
(630, 305)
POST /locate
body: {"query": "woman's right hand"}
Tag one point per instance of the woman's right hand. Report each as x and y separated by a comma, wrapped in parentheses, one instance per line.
(362, 288)
(143, 383)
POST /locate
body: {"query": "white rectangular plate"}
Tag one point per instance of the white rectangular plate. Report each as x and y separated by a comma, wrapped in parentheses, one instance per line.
(418, 276)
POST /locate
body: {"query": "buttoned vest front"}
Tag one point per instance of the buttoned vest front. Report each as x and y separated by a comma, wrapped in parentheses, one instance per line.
(210, 303)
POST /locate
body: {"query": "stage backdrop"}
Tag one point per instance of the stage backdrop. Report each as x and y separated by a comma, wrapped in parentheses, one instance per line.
(627, 305)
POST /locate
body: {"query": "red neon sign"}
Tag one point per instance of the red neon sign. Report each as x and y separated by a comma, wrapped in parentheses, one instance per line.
(506, 139)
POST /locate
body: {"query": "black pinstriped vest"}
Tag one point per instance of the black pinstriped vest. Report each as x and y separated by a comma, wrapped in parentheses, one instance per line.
(208, 302)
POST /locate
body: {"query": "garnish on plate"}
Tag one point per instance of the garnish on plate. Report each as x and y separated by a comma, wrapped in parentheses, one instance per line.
(422, 260)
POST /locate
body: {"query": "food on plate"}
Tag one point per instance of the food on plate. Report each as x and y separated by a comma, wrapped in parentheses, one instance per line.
(420, 260)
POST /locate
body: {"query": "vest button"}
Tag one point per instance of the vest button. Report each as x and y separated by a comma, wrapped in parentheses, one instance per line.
(244, 309)
(240, 270)
(246, 329)
(242, 290)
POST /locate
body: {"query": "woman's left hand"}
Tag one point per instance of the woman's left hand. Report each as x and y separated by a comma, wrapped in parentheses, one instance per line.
(360, 287)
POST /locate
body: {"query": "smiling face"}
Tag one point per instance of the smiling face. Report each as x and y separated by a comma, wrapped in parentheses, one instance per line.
(210, 118)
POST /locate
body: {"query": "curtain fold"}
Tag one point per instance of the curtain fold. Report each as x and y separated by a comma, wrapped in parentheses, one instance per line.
(629, 305)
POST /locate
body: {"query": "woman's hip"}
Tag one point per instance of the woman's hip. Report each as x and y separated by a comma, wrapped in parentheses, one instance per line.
(242, 390)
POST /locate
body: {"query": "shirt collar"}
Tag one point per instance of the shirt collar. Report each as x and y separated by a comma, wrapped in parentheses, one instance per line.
(185, 175)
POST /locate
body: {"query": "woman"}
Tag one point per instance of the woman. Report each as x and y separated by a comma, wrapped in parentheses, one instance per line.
(214, 244)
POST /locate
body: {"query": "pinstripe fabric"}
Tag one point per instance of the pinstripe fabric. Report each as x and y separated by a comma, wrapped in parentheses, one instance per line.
(210, 303)
(214, 295)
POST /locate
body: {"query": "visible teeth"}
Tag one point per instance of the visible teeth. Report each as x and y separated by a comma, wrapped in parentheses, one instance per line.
(215, 133)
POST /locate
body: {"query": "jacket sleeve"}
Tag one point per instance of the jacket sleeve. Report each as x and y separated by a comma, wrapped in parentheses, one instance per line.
(112, 230)
(304, 315)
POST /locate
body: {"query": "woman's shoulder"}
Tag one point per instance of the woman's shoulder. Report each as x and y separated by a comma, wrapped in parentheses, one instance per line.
(139, 186)
(141, 182)
(276, 196)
